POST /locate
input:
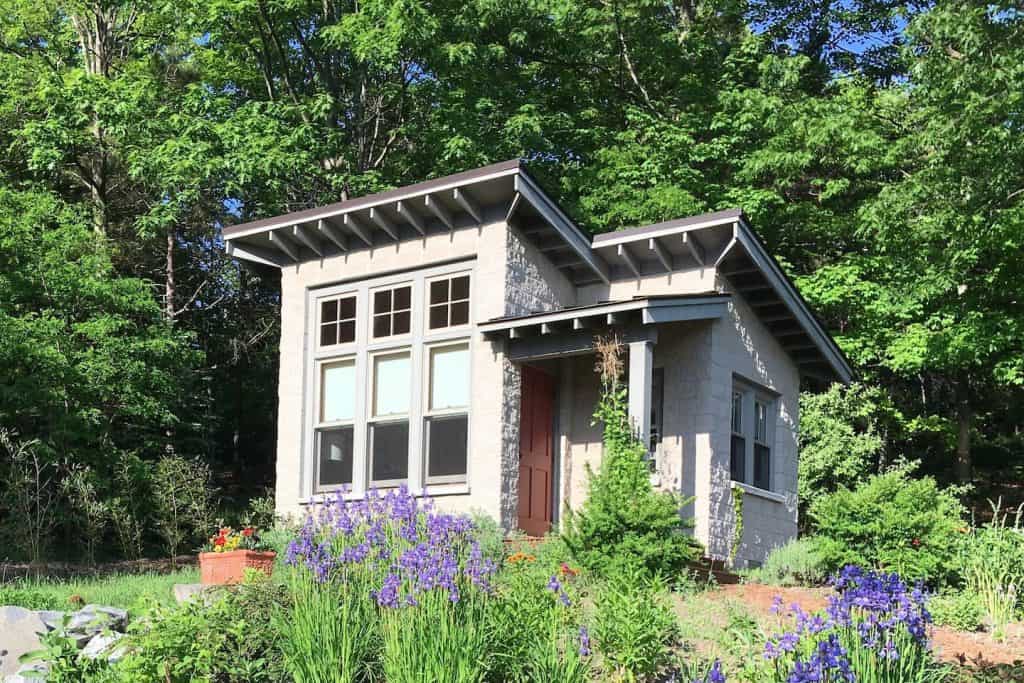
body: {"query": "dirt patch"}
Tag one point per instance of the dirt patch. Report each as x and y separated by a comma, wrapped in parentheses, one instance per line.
(950, 645)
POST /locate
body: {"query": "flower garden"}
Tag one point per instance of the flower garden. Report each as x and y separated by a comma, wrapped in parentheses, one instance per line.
(390, 588)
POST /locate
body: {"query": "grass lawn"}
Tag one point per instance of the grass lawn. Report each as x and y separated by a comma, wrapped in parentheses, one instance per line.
(116, 590)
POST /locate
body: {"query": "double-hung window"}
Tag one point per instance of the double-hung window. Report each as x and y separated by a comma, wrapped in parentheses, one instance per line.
(762, 451)
(388, 435)
(751, 432)
(335, 425)
(446, 420)
(738, 444)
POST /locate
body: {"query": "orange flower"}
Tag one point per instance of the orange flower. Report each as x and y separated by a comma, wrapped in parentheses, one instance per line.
(219, 540)
(566, 570)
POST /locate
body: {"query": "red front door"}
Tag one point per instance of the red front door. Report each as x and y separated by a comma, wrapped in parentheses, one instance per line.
(536, 418)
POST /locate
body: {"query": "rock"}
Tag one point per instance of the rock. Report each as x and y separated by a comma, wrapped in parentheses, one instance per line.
(52, 618)
(19, 633)
(94, 619)
(102, 645)
(184, 592)
(34, 672)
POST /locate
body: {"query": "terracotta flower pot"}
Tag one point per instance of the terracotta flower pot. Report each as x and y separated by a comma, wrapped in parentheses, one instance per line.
(230, 566)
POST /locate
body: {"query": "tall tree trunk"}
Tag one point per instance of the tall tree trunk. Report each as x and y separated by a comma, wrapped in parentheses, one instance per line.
(169, 280)
(964, 419)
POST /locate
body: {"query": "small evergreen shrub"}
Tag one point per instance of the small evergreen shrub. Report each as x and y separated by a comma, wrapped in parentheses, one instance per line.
(957, 609)
(624, 520)
(797, 563)
(894, 522)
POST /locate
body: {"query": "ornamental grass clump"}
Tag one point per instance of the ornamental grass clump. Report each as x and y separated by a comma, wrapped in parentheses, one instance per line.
(992, 564)
(875, 630)
(387, 572)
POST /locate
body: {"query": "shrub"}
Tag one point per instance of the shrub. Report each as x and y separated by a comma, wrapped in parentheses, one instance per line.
(992, 563)
(891, 522)
(229, 639)
(873, 631)
(634, 626)
(961, 610)
(535, 620)
(840, 438)
(797, 563)
(623, 519)
(184, 501)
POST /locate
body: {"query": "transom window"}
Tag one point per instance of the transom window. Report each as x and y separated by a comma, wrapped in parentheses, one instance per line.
(449, 302)
(337, 321)
(392, 311)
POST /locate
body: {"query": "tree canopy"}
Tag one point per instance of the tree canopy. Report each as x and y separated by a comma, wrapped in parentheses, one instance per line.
(876, 144)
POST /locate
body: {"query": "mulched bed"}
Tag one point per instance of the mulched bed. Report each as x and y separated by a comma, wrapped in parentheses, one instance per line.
(950, 645)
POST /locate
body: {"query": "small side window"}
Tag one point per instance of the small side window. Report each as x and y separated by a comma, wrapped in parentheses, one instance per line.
(448, 303)
(738, 444)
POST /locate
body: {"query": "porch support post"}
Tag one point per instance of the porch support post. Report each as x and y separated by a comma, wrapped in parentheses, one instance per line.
(641, 369)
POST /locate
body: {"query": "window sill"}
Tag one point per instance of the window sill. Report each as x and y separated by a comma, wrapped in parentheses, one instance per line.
(760, 493)
(431, 490)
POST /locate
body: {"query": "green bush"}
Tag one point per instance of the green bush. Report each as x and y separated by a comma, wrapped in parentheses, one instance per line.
(623, 519)
(840, 437)
(992, 564)
(797, 563)
(893, 522)
(230, 639)
(534, 634)
(957, 609)
(635, 628)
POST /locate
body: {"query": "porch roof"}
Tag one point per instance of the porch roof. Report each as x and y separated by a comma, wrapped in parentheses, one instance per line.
(645, 310)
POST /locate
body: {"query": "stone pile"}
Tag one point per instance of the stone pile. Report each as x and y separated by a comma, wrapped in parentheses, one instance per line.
(94, 629)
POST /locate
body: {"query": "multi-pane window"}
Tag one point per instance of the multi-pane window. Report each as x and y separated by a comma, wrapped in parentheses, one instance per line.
(449, 302)
(392, 311)
(738, 444)
(334, 433)
(446, 421)
(388, 432)
(337, 321)
(762, 451)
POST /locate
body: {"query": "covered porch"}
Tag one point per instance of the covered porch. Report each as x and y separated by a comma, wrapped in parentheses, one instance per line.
(667, 343)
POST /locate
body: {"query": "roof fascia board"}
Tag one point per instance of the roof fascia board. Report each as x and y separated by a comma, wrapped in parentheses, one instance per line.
(554, 215)
(793, 300)
(689, 311)
(256, 255)
(611, 239)
(387, 197)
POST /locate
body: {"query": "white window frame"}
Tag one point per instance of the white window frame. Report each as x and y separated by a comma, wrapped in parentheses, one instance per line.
(320, 425)
(372, 419)
(751, 394)
(427, 306)
(318, 312)
(429, 412)
(417, 343)
(372, 313)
